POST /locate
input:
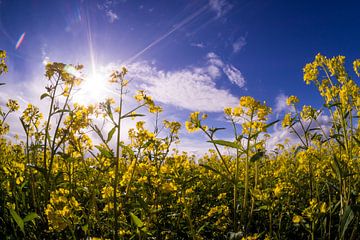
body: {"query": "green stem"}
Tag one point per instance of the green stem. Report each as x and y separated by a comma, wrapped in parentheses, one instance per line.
(117, 159)
(48, 121)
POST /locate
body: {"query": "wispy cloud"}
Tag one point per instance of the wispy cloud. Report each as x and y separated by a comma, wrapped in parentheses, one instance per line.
(239, 44)
(112, 16)
(168, 33)
(280, 104)
(220, 7)
(233, 74)
(198, 45)
(107, 6)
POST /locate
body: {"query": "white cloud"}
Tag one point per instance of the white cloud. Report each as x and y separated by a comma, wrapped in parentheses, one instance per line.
(112, 16)
(234, 75)
(198, 45)
(197, 146)
(281, 135)
(190, 88)
(280, 104)
(107, 7)
(221, 7)
(214, 59)
(214, 71)
(239, 44)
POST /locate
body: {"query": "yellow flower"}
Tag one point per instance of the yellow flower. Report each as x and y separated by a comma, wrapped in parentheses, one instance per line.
(139, 96)
(221, 196)
(311, 72)
(287, 120)
(227, 111)
(143, 179)
(356, 65)
(190, 127)
(277, 190)
(12, 105)
(19, 180)
(292, 100)
(107, 192)
(194, 123)
(323, 208)
(307, 112)
(297, 219)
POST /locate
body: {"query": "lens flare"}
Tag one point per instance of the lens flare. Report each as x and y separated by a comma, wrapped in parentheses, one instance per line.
(21, 39)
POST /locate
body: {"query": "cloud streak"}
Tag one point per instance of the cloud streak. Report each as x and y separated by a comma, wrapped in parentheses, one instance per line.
(232, 73)
(239, 44)
(165, 35)
(220, 7)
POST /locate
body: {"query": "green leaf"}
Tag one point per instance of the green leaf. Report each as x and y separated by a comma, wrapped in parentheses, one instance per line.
(356, 140)
(202, 227)
(23, 185)
(136, 220)
(346, 220)
(128, 149)
(226, 143)
(105, 152)
(44, 95)
(264, 207)
(132, 115)
(98, 132)
(217, 172)
(254, 135)
(85, 228)
(17, 219)
(257, 156)
(314, 129)
(271, 124)
(60, 111)
(25, 126)
(340, 143)
(30, 217)
(336, 166)
(332, 105)
(110, 134)
(40, 169)
(109, 111)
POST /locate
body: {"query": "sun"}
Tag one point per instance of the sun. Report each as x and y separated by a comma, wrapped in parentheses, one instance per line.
(93, 89)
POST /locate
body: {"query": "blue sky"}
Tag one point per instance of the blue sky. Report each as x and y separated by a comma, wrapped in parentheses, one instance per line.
(190, 55)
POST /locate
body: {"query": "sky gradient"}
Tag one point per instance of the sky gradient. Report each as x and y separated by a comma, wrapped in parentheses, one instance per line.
(200, 55)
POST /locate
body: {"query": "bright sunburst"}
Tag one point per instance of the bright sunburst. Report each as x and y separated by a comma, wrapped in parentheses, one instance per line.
(93, 88)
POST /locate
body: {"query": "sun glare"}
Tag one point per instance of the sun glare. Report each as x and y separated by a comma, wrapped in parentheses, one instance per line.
(92, 89)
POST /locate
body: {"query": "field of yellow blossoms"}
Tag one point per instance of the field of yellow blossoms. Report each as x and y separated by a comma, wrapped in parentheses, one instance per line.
(61, 182)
